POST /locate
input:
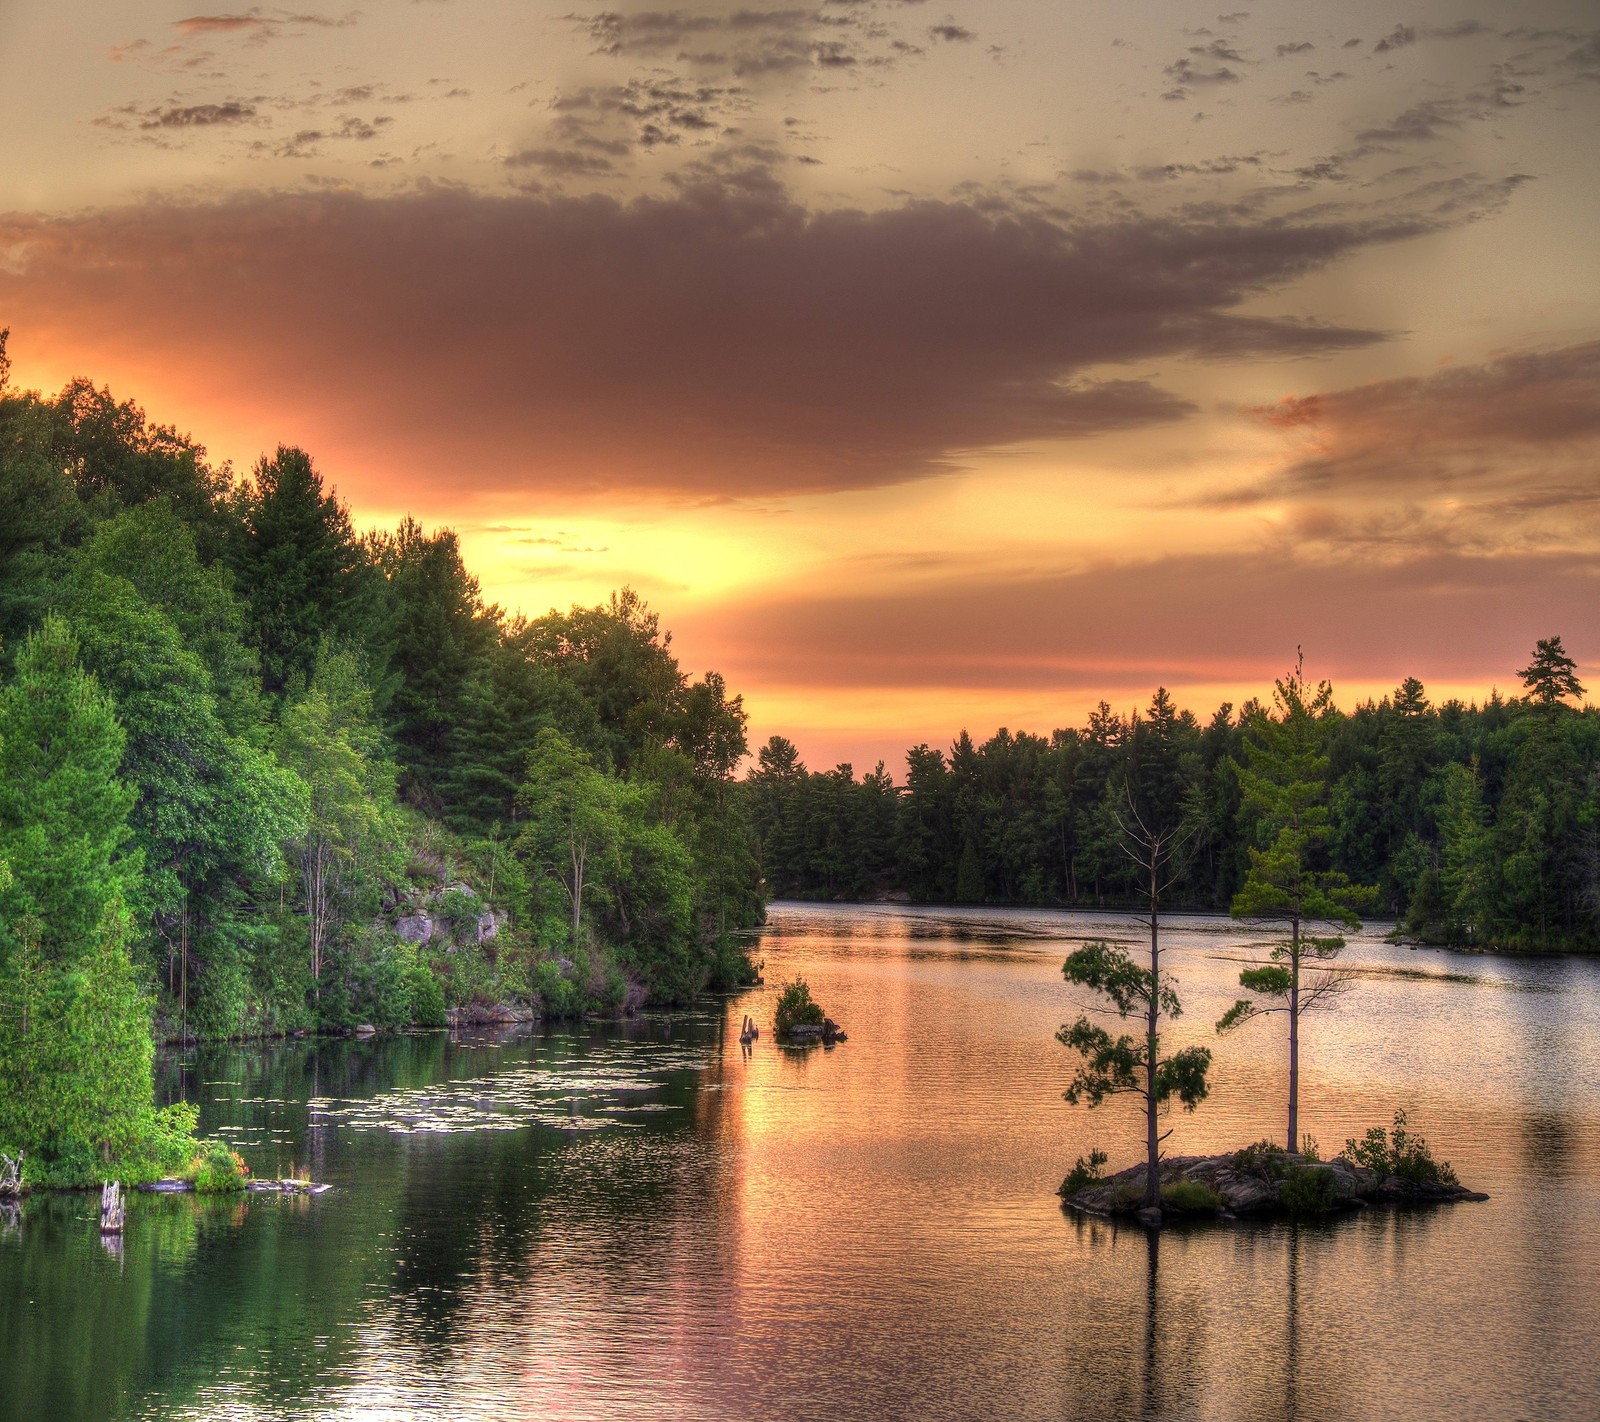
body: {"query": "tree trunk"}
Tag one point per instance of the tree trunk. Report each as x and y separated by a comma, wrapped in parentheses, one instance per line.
(1294, 1036)
(1152, 1143)
(577, 899)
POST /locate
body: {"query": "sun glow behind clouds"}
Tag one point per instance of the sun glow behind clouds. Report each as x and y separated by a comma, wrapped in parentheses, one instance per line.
(900, 431)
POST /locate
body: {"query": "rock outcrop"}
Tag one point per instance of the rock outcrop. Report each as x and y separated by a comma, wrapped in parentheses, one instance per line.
(1253, 1183)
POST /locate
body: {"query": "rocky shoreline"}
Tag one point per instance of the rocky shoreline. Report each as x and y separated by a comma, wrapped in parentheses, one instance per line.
(1249, 1184)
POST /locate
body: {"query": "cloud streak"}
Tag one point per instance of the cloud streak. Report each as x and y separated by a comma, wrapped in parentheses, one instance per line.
(722, 342)
(1233, 617)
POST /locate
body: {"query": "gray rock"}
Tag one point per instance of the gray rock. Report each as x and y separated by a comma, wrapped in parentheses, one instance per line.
(1246, 1192)
(415, 927)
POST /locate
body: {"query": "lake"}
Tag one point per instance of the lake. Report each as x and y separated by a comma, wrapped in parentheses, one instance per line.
(650, 1221)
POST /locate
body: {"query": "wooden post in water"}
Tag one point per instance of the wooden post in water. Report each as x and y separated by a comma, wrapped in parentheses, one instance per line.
(111, 1208)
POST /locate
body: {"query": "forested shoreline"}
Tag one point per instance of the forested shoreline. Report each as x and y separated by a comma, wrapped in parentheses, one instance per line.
(261, 774)
(1477, 825)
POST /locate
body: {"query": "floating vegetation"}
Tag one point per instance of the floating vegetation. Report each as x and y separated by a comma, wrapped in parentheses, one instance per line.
(575, 1094)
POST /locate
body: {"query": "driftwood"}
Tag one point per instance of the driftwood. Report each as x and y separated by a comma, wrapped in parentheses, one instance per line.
(111, 1208)
(10, 1175)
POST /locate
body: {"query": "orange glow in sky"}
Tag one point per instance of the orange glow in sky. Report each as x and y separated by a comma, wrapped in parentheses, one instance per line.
(922, 371)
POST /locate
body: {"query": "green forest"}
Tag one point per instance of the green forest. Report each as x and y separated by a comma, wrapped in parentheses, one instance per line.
(261, 774)
(1476, 825)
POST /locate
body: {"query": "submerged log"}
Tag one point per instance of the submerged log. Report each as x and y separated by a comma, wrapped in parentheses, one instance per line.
(111, 1208)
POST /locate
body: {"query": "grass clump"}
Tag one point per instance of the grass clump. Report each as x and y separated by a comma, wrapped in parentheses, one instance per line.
(1264, 1159)
(1308, 1190)
(1191, 1197)
(795, 1008)
(1084, 1173)
(1399, 1153)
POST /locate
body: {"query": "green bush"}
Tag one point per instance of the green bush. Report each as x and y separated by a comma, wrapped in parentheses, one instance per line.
(731, 965)
(458, 908)
(425, 995)
(1399, 1153)
(169, 1142)
(560, 994)
(1308, 1190)
(795, 1008)
(1084, 1173)
(220, 1171)
(1191, 1196)
(1264, 1159)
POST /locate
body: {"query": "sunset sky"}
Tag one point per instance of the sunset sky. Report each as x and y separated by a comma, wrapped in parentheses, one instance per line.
(925, 367)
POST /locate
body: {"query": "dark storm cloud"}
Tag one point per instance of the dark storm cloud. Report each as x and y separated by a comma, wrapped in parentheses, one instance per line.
(717, 343)
(952, 34)
(1233, 617)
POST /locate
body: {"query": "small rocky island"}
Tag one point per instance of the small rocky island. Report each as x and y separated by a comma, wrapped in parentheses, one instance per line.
(1260, 1181)
(799, 1021)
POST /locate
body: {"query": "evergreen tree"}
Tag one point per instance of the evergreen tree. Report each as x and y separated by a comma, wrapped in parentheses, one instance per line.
(75, 1046)
(63, 804)
(298, 564)
(440, 635)
(1155, 840)
(1284, 782)
(1552, 675)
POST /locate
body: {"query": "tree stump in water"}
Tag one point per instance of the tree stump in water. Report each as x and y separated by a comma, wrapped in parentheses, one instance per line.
(111, 1208)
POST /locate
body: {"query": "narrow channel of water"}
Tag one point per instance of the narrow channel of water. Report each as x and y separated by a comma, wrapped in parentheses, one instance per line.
(651, 1222)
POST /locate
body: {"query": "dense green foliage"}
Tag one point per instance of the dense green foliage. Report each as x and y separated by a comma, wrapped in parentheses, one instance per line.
(1399, 1152)
(1308, 1190)
(1086, 1171)
(796, 1008)
(1111, 1066)
(241, 744)
(1476, 824)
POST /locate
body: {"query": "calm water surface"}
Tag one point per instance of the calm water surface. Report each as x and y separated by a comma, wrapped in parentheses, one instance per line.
(651, 1222)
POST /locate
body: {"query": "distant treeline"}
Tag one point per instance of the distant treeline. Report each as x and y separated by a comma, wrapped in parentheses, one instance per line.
(1476, 824)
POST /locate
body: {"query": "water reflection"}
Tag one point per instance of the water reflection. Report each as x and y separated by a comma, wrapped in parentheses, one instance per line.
(650, 1223)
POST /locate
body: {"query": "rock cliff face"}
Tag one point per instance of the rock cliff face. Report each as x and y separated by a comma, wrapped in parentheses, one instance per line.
(452, 914)
(1248, 1183)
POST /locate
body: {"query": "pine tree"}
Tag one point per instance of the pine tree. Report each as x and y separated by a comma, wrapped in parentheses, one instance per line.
(298, 564)
(1285, 784)
(63, 804)
(75, 1044)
